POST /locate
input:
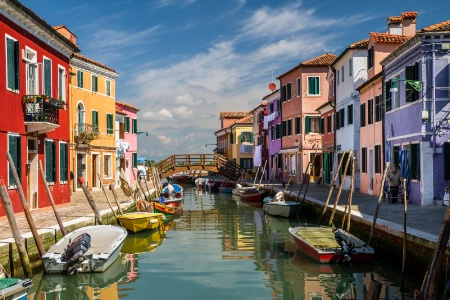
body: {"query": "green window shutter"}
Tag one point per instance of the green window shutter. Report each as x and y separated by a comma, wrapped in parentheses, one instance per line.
(135, 126)
(47, 77)
(288, 91)
(15, 152)
(395, 156)
(63, 162)
(283, 93)
(134, 158)
(95, 120)
(242, 137)
(16, 65)
(447, 160)
(387, 95)
(50, 161)
(127, 124)
(414, 163)
(321, 125)
(108, 88)
(109, 123)
(251, 137)
(307, 125)
(12, 64)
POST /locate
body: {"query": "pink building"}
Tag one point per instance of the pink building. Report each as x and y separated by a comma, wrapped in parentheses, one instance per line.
(126, 139)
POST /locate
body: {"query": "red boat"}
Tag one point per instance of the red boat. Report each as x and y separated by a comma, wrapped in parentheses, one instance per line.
(162, 208)
(329, 245)
(251, 194)
(182, 178)
(174, 202)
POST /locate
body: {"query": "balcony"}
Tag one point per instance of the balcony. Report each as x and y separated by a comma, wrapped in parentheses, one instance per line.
(85, 133)
(41, 113)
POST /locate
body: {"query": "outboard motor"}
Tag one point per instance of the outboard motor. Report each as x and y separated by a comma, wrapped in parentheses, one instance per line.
(344, 241)
(74, 253)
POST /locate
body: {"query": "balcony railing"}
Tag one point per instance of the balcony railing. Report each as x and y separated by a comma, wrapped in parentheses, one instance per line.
(86, 131)
(41, 112)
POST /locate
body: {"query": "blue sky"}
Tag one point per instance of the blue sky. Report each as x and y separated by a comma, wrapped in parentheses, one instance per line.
(182, 62)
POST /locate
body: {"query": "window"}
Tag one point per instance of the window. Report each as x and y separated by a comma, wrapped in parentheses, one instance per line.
(370, 58)
(299, 87)
(109, 124)
(377, 159)
(414, 161)
(278, 105)
(272, 133)
(247, 137)
(246, 163)
(388, 95)
(314, 85)
(271, 108)
(411, 73)
(134, 126)
(342, 75)
(350, 114)
(370, 111)
(31, 71)
(362, 115)
(63, 162)
(395, 156)
(312, 124)
(15, 152)
(134, 159)
(12, 64)
(298, 125)
(50, 161)
(47, 77)
(364, 160)
(94, 83)
(288, 91)
(447, 161)
(127, 124)
(338, 120)
(378, 115)
(107, 166)
(289, 127)
(231, 138)
(61, 84)
(80, 79)
(284, 128)
(108, 88)
(337, 77)
(350, 67)
(95, 121)
(277, 131)
(329, 123)
(283, 93)
(292, 164)
(342, 117)
(286, 162)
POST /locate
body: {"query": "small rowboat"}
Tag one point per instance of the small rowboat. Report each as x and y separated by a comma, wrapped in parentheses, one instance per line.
(164, 209)
(173, 190)
(251, 194)
(329, 245)
(276, 206)
(138, 221)
(227, 187)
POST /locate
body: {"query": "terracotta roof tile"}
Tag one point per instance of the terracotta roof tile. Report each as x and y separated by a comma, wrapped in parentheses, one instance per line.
(389, 38)
(360, 44)
(127, 105)
(119, 111)
(246, 120)
(394, 20)
(410, 15)
(82, 57)
(443, 26)
(236, 114)
(322, 60)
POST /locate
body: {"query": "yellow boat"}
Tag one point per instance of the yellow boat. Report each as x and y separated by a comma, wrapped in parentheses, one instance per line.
(143, 242)
(138, 221)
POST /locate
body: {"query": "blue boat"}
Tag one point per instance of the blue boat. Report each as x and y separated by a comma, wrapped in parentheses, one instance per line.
(173, 190)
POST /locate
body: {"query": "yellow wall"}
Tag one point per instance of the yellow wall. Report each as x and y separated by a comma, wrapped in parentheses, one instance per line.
(104, 104)
(235, 148)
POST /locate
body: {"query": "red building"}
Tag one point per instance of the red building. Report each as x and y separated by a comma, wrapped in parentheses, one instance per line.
(34, 126)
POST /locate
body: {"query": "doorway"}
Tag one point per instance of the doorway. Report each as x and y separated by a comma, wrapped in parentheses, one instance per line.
(95, 169)
(32, 178)
(370, 159)
(81, 168)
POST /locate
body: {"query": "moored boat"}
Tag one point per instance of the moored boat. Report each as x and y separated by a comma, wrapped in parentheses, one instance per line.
(329, 245)
(182, 178)
(239, 188)
(278, 207)
(251, 194)
(164, 209)
(14, 288)
(139, 221)
(143, 242)
(173, 190)
(227, 187)
(86, 249)
(174, 202)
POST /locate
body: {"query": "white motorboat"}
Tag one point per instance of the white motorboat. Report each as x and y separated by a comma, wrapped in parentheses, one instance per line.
(278, 207)
(87, 249)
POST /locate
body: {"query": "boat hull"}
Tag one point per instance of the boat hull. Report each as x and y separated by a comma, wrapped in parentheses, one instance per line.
(139, 221)
(285, 209)
(319, 243)
(14, 288)
(168, 210)
(106, 242)
(175, 202)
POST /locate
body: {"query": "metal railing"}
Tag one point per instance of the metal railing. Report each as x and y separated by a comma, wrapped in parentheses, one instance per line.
(86, 131)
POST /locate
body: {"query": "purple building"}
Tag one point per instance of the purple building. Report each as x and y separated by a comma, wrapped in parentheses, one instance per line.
(417, 105)
(272, 123)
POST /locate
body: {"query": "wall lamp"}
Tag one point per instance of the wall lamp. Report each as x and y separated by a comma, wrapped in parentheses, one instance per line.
(416, 85)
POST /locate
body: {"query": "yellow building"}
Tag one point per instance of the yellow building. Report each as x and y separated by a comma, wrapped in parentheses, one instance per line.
(92, 119)
(241, 142)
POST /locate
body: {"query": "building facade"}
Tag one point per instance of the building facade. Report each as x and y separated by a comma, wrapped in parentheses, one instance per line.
(272, 123)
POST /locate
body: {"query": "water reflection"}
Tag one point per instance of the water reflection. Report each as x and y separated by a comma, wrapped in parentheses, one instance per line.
(219, 248)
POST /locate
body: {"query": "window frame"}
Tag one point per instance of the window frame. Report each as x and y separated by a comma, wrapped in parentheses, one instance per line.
(50, 175)
(109, 123)
(31, 63)
(47, 86)
(17, 158)
(107, 166)
(61, 83)
(94, 83)
(316, 88)
(299, 86)
(12, 64)
(364, 160)
(134, 126)
(63, 173)
(80, 79)
(108, 87)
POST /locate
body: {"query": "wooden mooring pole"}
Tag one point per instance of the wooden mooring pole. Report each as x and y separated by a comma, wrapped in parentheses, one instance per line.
(90, 200)
(116, 198)
(15, 229)
(106, 195)
(52, 202)
(377, 208)
(26, 209)
(405, 206)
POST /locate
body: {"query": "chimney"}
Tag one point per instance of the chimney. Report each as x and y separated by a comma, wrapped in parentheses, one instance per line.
(62, 29)
(409, 23)
(394, 25)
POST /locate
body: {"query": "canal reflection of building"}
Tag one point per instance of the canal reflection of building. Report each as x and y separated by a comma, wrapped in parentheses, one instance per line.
(85, 285)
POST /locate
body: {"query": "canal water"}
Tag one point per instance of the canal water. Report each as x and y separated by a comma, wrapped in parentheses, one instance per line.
(221, 248)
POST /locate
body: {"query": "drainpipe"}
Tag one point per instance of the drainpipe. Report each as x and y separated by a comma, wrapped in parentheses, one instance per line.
(383, 116)
(433, 95)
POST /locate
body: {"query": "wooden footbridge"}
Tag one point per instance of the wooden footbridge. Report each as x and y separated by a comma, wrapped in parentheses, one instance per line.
(194, 163)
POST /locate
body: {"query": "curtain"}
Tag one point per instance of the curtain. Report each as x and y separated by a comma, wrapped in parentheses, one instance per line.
(404, 167)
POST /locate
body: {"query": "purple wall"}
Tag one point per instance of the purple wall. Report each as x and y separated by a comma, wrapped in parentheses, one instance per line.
(274, 145)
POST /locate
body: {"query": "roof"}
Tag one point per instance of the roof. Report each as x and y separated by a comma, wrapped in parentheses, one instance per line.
(262, 105)
(443, 26)
(246, 120)
(369, 81)
(389, 38)
(362, 44)
(237, 114)
(119, 111)
(323, 60)
(330, 103)
(127, 105)
(89, 60)
(410, 15)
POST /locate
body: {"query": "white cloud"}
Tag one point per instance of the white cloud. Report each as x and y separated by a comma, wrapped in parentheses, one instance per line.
(188, 99)
(183, 112)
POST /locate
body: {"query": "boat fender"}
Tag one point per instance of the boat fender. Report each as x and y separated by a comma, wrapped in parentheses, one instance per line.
(344, 241)
(74, 253)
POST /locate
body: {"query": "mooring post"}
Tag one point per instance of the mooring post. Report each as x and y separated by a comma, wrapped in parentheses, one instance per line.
(50, 196)
(90, 200)
(113, 190)
(106, 195)
(26, 209)
(15, 229)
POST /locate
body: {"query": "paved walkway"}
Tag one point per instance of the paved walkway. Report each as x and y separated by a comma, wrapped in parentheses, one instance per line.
(425, 222)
